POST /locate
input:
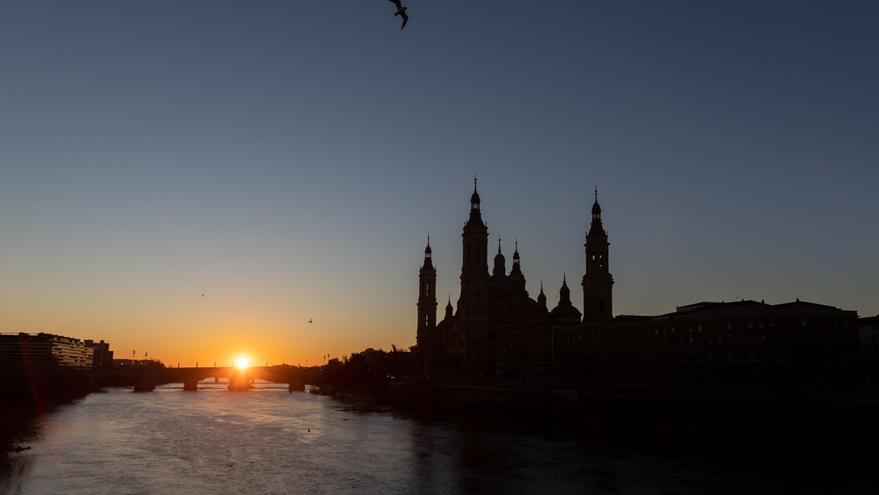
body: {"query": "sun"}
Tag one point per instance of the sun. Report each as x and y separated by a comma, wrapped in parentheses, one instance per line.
(242, 362)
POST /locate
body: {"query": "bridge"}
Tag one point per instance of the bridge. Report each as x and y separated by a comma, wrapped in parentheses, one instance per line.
(145, 378)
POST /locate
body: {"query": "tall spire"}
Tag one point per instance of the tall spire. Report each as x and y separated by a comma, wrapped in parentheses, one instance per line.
(597, 281)
(426, 297)
(474, 269)
(498, 245)
(474, 199)
(427, 251)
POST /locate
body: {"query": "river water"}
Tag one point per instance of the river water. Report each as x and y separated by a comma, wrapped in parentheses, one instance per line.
(269, 441)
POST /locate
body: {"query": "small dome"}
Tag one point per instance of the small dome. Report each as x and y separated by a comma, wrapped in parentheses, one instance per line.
(566, 314)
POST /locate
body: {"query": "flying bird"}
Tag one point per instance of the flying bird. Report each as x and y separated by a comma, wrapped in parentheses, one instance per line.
(401, 11)
(309, 320)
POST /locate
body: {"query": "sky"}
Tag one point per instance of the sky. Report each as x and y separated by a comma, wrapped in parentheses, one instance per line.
(287, 159)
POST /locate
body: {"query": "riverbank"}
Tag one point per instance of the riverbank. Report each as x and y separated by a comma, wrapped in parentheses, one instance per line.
(28, 392)
(826, 433)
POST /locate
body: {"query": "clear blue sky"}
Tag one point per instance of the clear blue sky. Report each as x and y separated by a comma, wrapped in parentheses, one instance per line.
(287, 159)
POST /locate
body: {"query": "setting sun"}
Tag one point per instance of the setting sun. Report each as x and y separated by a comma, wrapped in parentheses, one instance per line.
(242, 362)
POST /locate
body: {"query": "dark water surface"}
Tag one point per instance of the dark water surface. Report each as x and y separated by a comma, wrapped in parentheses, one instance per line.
(270, 441)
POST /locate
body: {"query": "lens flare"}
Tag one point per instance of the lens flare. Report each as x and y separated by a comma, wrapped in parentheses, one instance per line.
(242, 362)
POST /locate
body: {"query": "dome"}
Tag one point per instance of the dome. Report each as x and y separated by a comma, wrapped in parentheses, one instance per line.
(564, 291)
(499, 258)
(566, 314)
(500, 263)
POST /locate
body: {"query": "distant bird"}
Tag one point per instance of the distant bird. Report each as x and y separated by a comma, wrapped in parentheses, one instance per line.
(309, 320)
(202, 295)
(401, 11)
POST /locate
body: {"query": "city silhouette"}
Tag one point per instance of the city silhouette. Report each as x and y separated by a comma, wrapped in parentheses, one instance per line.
(218, 220)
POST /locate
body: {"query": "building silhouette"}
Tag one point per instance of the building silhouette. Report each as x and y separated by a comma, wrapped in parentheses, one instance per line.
(497, 333)
(597, 282)
(869, 333)
(47, 348)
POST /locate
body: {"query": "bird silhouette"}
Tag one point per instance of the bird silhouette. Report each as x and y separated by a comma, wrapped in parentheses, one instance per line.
(401, 11)
(309, 320)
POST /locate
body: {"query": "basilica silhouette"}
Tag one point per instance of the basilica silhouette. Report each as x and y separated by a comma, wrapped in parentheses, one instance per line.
(498, 333)
(491, 306)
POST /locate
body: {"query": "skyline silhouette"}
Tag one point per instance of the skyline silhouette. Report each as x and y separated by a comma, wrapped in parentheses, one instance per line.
(508, 247)
(289, 169)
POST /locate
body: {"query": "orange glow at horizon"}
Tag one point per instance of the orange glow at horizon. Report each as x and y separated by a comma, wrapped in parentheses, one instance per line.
(177, 328)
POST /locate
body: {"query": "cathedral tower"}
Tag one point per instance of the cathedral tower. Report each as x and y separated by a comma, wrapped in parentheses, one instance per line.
(474, 269)
(426, 296)
(597, 282)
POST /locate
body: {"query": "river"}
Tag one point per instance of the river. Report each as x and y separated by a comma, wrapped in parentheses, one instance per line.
(269, 441)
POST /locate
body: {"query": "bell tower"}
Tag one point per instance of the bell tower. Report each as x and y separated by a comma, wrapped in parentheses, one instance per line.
(426, 296)
(597, 282)
(474, 268)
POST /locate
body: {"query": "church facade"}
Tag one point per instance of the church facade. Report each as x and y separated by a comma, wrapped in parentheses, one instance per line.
(498, 333)
(473, 340)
